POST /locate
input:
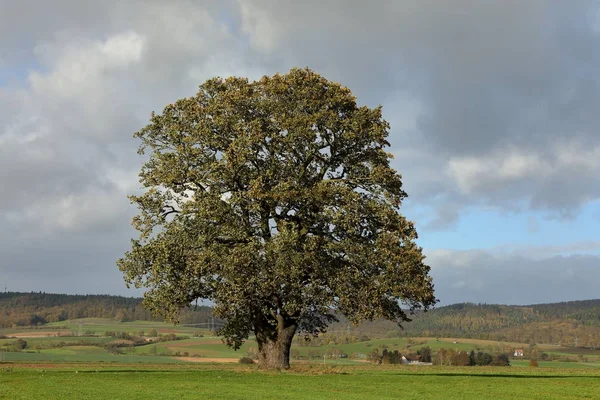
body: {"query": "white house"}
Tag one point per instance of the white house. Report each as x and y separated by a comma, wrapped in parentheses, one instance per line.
(519, 353)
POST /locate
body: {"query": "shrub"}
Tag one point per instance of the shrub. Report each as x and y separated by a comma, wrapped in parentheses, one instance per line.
(20, 344)
(374, 356)
(425, 353)
(500, 360)
(113, 348)
(461, 358)
(483, 358)
(246, 360)
(533, 363)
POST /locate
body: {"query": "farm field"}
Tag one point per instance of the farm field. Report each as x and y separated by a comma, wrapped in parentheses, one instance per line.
(83, 357)
(96, 326)
(44, 346)
(57, 367)
(99, 325)
(96, 381)
(557, 364)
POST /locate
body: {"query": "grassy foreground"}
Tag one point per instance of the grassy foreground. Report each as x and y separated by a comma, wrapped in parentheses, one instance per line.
(96, 381)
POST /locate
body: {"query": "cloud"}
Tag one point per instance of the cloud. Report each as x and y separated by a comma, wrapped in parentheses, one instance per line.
(503, 89)
(541, 252)
(472, 173)
(492, 104)
(67, 157)
(446, 216)
(76, 68)
(486, 277)
(533, 175)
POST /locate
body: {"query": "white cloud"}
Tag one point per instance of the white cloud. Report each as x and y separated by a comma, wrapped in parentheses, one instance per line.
(511, 174)
(578, 156)
(78, 68)
(263, 29)
(472, 173)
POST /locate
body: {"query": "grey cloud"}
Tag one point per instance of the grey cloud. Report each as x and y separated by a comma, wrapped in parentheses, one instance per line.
(488, 77)
(541, 252)
(491, 103)
(65, 263)
(479, 276)
(446, 216)
(33, 172)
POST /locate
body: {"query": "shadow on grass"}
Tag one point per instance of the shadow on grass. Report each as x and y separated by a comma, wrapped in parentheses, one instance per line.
(475, 375)
(439, 374)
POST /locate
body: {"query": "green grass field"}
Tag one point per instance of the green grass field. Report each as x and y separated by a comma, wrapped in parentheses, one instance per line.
(60, 357)
(557, 364)
(80, 367)
(302, 382)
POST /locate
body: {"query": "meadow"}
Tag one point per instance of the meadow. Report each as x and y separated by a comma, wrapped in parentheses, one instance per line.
(309, 381)
(57, 367)
(44, 345)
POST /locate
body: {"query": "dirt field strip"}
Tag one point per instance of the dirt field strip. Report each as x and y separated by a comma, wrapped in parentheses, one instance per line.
(207, 359)
(188, 343)
(39, 334)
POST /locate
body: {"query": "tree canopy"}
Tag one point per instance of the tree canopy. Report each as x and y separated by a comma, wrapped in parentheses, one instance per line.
(275, 200)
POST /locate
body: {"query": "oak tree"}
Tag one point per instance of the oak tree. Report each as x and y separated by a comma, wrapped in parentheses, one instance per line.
(275, 200)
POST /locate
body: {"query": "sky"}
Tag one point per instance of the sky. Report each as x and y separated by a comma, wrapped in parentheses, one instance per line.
(493, 107)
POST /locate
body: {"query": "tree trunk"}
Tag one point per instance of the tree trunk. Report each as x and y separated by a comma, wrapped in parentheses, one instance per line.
(274, 346)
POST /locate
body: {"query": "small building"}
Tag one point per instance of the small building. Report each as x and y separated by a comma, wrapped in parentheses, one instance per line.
(519, 353)
(411, 359)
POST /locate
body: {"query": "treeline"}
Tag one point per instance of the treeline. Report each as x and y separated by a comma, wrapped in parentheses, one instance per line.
(441, 357)
(564, 332)
(463, 358)
(35, 309)
(575, 323)
(468, 318)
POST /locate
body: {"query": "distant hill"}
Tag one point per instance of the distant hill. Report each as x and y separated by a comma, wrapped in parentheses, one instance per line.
(574, 323)
(460, 319)
(31, 309)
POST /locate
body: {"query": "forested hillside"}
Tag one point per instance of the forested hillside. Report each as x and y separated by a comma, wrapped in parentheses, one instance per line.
(575, 323)
(30, 309)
